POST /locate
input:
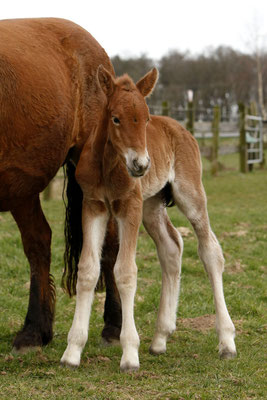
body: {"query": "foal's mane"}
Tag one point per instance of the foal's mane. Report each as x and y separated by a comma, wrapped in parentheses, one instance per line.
(125, 83)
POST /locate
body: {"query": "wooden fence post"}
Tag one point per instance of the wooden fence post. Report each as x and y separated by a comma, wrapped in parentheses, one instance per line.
(190, 117)
(263, 163)
(215, 140)
(165, 108)
(242, 141)
(252, 110)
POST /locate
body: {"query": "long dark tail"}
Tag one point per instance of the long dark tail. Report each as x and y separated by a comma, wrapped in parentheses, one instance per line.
(73, 198)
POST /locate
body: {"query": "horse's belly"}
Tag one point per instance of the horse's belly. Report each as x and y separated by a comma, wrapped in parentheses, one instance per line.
(152, 183)
(19, 183)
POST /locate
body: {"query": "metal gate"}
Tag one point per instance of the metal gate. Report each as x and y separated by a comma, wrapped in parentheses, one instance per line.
(254, 139)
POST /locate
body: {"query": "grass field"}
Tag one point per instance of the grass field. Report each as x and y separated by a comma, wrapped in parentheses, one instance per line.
(191, 368)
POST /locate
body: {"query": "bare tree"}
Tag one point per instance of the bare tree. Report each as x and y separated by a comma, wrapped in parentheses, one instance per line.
(256, 43)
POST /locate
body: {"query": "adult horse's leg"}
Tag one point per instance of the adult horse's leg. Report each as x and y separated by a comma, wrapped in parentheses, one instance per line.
(191, 200)
(112, 313)
(36, 239)
(169, 247)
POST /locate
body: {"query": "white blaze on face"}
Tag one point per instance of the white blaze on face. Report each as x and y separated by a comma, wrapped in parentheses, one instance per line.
(137, 163)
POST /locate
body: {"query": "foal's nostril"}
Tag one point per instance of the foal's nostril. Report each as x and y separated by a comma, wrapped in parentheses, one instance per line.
(138, 168)
(135, 164)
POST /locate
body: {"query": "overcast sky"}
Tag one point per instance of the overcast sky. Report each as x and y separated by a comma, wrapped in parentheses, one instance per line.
(153, 27)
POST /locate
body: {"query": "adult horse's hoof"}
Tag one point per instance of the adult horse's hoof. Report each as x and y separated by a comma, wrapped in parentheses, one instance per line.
(111, 335)
(29, 338)
(25, 350)
(110, 342)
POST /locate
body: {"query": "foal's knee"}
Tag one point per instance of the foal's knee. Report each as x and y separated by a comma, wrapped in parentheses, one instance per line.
(125, 276)
(211, 254)
(88, 275)
(173, 249)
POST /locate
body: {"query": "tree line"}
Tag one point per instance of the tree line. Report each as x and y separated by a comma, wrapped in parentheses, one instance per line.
(221, 76)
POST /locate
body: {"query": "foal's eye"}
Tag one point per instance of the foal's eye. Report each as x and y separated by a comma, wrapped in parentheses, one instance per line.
(115, 121)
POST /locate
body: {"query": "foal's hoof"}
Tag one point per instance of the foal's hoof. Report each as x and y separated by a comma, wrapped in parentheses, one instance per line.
(71, 359)
(156, 352)
(68, 365)
(158, 345)
(127, 367)
(227, 354)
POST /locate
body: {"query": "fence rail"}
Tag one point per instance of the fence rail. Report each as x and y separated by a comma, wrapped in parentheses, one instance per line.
(209, 135)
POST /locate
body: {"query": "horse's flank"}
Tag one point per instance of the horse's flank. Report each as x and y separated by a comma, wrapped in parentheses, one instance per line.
(174, 150)
(49, 100)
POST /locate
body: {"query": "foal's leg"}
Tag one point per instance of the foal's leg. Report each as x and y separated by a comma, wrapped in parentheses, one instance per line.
(36, 239)
(191, 200)
(94, 220)
(169, 247)
(125, 272)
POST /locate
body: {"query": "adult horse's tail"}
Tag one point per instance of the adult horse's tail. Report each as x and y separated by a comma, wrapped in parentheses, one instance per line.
(73, 229)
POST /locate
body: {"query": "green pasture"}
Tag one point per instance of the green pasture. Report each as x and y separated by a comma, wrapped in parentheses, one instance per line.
(191, 368)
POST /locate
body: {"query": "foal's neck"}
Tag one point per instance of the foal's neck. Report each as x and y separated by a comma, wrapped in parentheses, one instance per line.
(103, 149)
(114, 174)
(101, 137)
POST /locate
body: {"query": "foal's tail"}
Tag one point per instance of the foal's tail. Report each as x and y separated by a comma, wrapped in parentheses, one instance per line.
(73, 229)
(167, 196)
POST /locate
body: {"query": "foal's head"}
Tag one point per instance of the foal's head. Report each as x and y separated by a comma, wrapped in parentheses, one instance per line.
(128, 117)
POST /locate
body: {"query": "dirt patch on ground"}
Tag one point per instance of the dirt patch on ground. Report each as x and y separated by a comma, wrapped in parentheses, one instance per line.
(236, 267)
(203, 323)
(240, 233)
(185, 232)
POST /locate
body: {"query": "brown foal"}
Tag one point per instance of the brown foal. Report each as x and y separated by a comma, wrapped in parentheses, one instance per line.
(123, 171)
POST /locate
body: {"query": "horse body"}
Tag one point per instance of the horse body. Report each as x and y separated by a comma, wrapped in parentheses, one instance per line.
(134, 156)
(47, 68)
(49, 103)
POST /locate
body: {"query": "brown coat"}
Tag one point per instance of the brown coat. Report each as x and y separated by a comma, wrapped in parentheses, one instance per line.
(49, 100)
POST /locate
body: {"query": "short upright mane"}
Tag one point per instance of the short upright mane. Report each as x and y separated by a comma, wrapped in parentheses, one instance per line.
(126, 83)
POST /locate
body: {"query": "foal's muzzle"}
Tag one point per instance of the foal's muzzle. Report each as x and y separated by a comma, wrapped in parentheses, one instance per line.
(137, 164)
(137, 168)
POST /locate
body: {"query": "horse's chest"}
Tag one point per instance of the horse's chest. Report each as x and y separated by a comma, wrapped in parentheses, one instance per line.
(117, 184)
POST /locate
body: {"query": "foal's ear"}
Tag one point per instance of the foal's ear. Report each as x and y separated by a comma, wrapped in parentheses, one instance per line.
(105, 80)
(148, 82)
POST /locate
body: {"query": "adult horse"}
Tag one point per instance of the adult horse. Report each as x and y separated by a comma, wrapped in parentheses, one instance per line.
(49, 105)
